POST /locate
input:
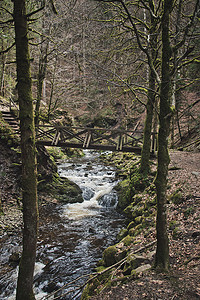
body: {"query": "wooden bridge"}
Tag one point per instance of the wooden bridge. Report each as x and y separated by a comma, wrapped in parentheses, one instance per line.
(92, 138)
(86, 137)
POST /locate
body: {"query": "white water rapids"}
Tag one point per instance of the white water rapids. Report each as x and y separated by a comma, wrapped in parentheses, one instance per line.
(95, 180)
(71, 237)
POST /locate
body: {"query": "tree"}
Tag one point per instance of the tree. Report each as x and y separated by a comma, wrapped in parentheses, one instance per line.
(164, 75)
(162, 251)
(28, 154)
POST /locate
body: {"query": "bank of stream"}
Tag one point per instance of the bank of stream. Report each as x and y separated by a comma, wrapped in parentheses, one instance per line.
(72, 237)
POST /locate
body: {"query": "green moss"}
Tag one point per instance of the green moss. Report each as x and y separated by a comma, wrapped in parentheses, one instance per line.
(139, 220)
(7, 134)
(172, 225)
(176, 197)
(67, 191)
(100, 269)
(125, 194)
(138, 180)
(57, 153)
(128, 240)
(90, 289)
(131, 225)
(109, 256)
(123, 232)
(136, 230)
(176, 232)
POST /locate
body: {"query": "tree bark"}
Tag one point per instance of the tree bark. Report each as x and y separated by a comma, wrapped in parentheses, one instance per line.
(162, 251)
(40, 80)
(146, 148)
(28, 155)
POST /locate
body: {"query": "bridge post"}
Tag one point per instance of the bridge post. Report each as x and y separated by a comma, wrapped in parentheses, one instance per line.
(120, 143)
(87, 140)
(56, 138)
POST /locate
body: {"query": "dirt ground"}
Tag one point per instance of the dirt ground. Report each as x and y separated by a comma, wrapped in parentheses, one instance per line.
(183, 280)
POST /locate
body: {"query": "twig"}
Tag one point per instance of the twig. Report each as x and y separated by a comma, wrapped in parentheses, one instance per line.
(190, 259)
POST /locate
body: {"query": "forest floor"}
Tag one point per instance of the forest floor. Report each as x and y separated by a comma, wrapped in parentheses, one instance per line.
(182, 281)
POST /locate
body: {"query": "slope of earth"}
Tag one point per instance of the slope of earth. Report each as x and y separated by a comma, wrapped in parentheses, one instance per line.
(182, 281)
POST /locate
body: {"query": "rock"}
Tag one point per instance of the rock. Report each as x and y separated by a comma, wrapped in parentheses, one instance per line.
(197, 174)
(110, 256)
(151, 254)
(68, 192)
(142, 269)
(91, 230)
(136, 260)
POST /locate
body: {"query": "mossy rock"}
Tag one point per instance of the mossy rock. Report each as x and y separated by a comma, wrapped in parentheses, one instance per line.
(128, 240)
(68, 191)
(137, 198)
(123, 232)
(130, 209)
(136, 230)
(125, 194)
(133, 212)
(138, 180)
(152, 201)
(110, 256)
(90, 289)
(100, 269)
(139, 220)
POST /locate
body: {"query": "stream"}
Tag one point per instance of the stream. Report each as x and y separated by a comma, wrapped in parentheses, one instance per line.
(72, 237)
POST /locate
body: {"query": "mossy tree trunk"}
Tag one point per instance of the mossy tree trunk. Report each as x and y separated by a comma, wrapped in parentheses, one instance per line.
(28, 154)
(162, 251)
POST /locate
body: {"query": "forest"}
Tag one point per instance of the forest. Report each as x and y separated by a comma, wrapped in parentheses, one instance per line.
(101, 72)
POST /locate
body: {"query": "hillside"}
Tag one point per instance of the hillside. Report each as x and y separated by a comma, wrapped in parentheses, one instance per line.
(182, 281)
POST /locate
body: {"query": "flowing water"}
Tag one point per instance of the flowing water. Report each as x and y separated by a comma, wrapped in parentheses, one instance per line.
(72, 236)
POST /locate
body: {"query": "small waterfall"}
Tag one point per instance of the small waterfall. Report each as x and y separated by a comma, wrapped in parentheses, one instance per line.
(96, 182)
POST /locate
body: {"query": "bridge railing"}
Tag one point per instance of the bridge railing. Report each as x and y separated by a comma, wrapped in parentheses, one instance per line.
(91, 138)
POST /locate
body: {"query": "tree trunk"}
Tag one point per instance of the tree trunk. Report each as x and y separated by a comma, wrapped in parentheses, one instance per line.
(50, 109)
(40, 81)
(162, 251)
(146, 148)
(28, 154)
(2, 73)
